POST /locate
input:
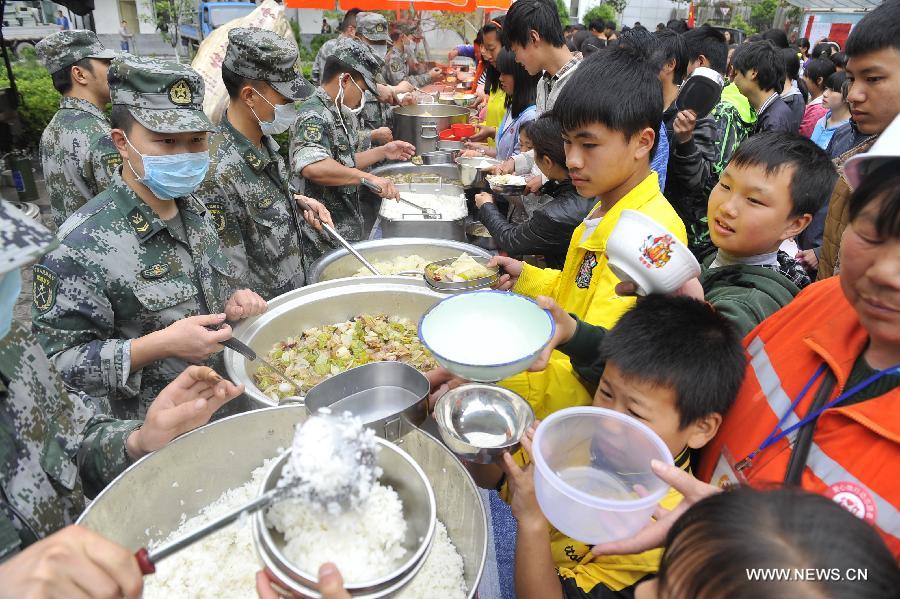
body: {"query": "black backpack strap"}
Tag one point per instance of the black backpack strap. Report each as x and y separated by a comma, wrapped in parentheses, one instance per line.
(803, 441)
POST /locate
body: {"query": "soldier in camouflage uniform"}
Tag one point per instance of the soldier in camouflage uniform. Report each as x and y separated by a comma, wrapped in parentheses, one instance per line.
(125, 301)
(325, 137)
(77, 156)
(55, 446)
(246, 190)
(396, 65)
(347, 30)
(376, 118)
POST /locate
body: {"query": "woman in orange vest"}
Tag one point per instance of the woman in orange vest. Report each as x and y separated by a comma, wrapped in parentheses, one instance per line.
(820, 405)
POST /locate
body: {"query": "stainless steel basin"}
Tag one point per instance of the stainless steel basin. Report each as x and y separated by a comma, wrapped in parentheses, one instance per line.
(339, 263)
(145, 502)
(324, 303)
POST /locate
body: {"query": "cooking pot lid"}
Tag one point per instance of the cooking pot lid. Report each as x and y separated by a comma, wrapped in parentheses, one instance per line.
(700, 92)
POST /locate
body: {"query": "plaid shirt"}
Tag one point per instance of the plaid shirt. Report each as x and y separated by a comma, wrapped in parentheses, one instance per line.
(548, 91)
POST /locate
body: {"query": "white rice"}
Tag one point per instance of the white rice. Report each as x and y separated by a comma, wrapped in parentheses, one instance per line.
(224, 565)
(364, 544)
(450, 207)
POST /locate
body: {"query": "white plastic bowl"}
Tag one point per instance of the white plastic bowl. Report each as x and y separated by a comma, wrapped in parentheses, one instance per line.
(642, 251)
(587, 463)
(486, 336)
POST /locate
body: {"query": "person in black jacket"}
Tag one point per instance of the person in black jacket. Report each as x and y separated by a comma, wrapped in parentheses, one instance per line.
(550, 228)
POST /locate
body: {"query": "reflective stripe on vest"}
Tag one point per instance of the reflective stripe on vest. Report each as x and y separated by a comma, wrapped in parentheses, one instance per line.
(828, 470)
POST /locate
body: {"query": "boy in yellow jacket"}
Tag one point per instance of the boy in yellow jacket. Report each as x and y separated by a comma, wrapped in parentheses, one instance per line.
(610, 134)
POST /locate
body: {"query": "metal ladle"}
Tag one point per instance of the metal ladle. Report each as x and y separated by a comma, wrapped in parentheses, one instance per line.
(331, 231)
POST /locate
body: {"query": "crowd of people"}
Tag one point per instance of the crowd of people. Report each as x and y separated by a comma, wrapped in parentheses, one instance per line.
(773, 378)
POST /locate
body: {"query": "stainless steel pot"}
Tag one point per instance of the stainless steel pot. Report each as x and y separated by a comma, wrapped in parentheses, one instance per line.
(478, 235)
(339, 263)
(317, 305)
(146, 502)
(414, 225)
(420, 124)
(438, 157)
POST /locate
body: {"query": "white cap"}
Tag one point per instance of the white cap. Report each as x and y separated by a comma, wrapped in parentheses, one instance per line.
(885, 149)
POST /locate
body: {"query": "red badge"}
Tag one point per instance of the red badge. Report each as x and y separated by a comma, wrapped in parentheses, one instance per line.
(855, 499)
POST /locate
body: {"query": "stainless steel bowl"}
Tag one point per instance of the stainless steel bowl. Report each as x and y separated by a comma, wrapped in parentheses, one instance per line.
(400, 472)
(437, 157)
(461, 286)
(479, 423)
(339, 263)
(379, 393)
(317, 305)
(147, 502)
(471, 171)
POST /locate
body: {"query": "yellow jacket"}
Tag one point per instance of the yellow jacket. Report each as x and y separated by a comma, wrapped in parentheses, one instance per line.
(496, 108)
(586, 288)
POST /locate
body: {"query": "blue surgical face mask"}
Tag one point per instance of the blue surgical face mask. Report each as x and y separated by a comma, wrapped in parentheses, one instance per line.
(285, 115)
(10, 287)
(172, 176)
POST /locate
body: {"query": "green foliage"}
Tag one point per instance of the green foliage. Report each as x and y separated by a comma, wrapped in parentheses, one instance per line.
(738, 22)
(563, 11)
(450, 21)
(617, 5)
(40, 99)
(601, 11)
(762, 14)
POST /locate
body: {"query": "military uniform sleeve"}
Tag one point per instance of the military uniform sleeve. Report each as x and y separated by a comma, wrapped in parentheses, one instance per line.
(72, 317)
(310, 142)
(102, 163)
(420, 80)
(102, 455)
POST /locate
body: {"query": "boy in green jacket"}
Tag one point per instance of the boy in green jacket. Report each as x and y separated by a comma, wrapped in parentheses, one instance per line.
(767, 194)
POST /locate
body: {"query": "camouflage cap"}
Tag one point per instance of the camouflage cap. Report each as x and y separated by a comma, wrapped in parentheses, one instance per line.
(165, 97)
(372, 26)
(359, 57)
(264, 55)
(65, 48)
(22, 239)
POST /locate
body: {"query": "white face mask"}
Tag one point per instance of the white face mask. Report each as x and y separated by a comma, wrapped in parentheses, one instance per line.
(285, 115)
(339, 100)
(379, 50)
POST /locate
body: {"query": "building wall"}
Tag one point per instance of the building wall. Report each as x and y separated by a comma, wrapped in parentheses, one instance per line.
(106, 16)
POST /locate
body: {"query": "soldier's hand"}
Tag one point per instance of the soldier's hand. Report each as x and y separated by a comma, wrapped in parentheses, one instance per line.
(399, 150)
(244, 303)
(382, 136)
(185, 403)
(313, 209)
(388, 189)
(74, 562)
(195, 338)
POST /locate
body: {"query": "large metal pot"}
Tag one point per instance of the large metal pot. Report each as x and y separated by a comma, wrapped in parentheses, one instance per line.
(146, 502)
(420, 124)
(472, 171)
(317, 305)
(339, 263)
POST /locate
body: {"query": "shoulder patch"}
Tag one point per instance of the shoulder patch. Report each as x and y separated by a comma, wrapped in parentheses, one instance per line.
(112, 162)
(252, 159)
(44, 285)
(217, 213)
(157, 271)
(265, 203)
(137, 220)
(312, 132)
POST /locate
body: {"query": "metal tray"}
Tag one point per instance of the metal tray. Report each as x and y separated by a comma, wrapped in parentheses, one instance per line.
(461, 286)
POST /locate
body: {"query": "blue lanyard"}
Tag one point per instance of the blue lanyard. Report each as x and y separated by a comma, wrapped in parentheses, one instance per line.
(776, 436)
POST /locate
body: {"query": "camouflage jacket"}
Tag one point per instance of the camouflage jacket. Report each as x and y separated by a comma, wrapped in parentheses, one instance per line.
(52, 446)
(396, 70)
(120, 272)
(321, 132)
(322, 55)
(246, 194)
(77, 165)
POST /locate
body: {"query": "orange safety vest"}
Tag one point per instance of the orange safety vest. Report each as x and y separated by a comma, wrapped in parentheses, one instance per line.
(855, 452)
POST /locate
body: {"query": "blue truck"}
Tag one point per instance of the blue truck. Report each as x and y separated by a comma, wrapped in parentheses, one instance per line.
(211, 15)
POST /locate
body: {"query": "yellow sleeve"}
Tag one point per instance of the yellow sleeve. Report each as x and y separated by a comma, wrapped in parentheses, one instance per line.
(536, 281)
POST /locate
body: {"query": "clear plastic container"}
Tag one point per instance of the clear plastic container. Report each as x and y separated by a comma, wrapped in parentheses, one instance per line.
(592, 473)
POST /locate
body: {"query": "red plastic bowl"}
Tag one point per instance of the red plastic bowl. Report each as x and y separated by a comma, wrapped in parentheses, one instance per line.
(448, 135)
(463, 129)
